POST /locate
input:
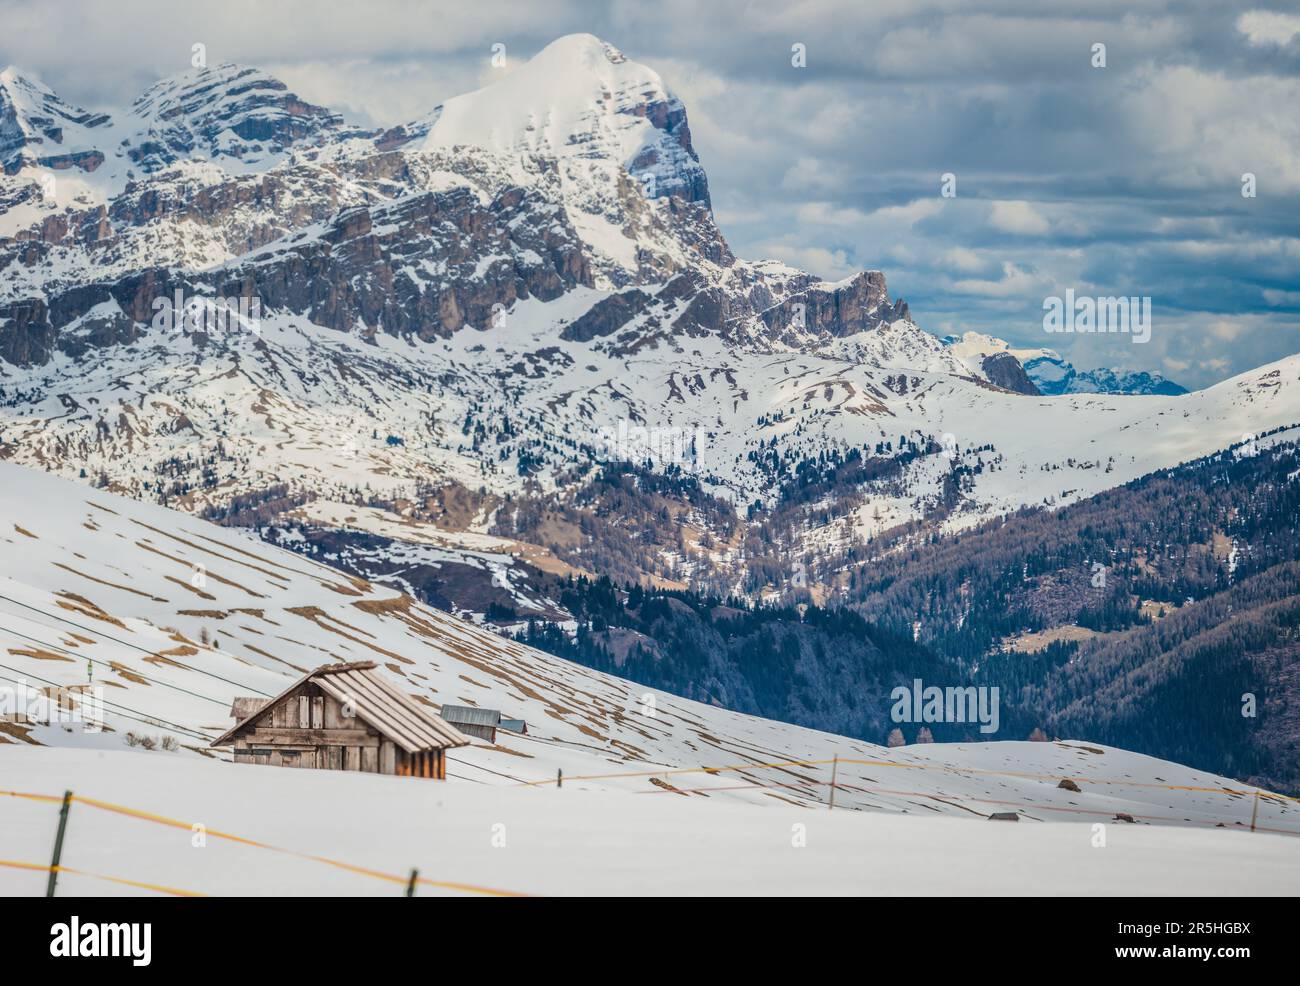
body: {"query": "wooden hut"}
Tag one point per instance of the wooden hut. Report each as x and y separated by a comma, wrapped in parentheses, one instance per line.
(482, 723)
(342, 717)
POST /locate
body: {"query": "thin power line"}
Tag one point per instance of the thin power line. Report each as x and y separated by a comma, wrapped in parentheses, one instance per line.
(127, 643)
(108, 664)
(148, 720)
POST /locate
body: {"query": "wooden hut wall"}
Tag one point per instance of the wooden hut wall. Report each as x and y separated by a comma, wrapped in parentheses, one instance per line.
(478, 729)
(429, 763)
(311, 729)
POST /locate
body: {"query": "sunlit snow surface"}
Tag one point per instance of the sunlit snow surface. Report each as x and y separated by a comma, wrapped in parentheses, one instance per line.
(120, 569)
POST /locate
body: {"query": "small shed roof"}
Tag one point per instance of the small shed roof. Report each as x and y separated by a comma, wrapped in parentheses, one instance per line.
(469, 716)
(387, 708)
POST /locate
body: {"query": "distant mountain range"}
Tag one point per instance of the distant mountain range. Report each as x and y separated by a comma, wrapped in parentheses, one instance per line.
(1053, 375)
(503, 350)
(523, 282)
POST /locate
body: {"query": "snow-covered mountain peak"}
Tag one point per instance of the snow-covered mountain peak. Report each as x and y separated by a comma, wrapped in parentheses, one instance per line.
(192, 89)
(12, 78)
(496, 300)
(38, 127)
(973, 343)
(580, 97)
(227, 110)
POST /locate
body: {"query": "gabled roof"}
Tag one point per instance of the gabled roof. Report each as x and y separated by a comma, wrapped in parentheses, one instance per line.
(385, 707)
(470, 716)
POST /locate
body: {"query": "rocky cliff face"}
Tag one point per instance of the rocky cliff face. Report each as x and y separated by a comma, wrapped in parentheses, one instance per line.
(574, 171)
(229, 111)
(38, 128)
(1005, 371)
(859, 304)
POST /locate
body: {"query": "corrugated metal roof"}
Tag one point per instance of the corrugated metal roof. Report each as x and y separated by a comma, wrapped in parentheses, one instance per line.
(384, 706)
(471, 716)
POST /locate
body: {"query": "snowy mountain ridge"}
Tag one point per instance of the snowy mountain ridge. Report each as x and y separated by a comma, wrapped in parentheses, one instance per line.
(1053, 375)
(483, 298)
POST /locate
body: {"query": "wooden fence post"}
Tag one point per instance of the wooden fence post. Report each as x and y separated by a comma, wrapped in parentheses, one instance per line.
(1254, 812)
(410, 884)
(835, 770)
(559, 777)
(58, 845)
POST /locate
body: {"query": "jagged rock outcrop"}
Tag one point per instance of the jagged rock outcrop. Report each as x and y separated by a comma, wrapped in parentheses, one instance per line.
(1005, 371)
(38, 128)
(200, 111)
(859, 304)
(606, 317)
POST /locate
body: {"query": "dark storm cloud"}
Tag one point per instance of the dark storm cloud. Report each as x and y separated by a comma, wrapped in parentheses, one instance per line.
(1117, 180)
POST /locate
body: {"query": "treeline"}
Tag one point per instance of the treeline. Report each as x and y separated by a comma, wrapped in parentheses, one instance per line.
(1189, 576)
(257, 509)
(1215, 684)
(1172, 537)
(625, 522)
(827, 668)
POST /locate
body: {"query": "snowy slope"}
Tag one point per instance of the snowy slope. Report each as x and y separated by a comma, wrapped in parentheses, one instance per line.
(89, 577)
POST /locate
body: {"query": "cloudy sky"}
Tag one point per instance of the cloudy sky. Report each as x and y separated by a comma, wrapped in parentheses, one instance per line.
(1116, 180)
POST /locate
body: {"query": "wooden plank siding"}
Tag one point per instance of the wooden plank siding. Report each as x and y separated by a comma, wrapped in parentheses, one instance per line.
(311, 729)
(342, 717)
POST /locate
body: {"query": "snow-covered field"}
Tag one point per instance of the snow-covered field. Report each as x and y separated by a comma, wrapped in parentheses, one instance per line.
(160, 620)
(573, 841)
(172, 617)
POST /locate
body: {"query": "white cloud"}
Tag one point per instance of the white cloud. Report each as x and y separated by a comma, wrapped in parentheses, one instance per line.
(1227, 329)
(1281, 299)
(1018, 216)
(829, 264)
(964, 260)
(1205, 129)
(1014, 282)
(1268, 27)
(811, 175)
